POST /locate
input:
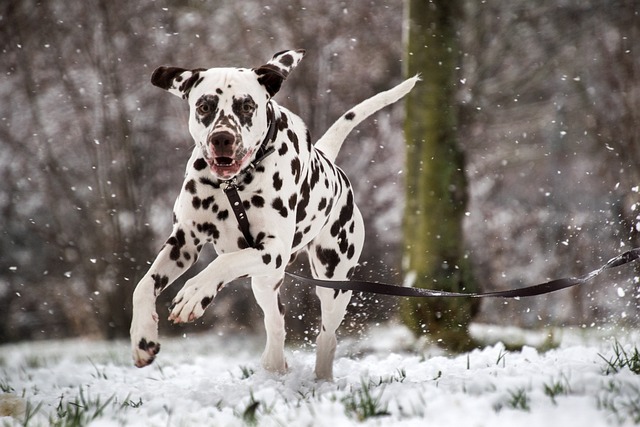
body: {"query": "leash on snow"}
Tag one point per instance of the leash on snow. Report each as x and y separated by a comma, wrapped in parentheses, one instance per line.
(231, 191)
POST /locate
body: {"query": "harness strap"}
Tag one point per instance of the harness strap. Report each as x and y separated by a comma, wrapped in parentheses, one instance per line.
(231, 188)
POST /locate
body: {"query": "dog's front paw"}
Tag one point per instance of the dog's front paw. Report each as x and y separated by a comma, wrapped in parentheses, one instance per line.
(190, 303)
(144, 341)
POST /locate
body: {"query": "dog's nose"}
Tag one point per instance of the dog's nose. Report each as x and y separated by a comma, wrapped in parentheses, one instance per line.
(222, 139)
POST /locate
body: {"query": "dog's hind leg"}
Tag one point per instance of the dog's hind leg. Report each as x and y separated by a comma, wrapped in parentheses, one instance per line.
(267, 293)
(334, 257)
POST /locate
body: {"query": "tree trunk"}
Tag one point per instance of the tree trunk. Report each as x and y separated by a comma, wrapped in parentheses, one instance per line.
(436, 187)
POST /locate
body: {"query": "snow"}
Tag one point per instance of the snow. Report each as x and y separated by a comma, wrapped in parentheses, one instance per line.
(387, 378)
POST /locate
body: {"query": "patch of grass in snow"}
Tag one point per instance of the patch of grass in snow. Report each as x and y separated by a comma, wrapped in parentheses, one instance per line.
(250, 414)
(622, 401)
(30, 411)
(5, 387)
(361, 404)
(79, 412)
(100, 373)
(501, 357)
(559, 387)
(246, 372)
(518, 399)
(622, 359)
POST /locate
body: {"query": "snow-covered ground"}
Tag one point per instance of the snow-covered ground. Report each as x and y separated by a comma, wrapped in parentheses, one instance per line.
(385, 379)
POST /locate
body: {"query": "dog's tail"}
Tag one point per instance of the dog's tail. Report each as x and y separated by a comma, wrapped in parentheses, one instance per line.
(333, 138)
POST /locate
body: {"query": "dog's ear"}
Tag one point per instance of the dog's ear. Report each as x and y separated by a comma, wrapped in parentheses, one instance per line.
(273, 73)
(178, 81)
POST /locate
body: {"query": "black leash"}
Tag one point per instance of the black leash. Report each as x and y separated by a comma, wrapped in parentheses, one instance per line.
(529, 291)
(231, 190)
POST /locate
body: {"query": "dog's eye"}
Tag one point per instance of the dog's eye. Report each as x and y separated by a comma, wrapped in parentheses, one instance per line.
(203, 108)
(248, 107)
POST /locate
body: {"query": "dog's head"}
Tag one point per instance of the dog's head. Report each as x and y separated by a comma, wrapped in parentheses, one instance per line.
(228, 116)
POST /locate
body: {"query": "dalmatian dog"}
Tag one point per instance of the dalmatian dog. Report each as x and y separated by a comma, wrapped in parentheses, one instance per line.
(295, 199)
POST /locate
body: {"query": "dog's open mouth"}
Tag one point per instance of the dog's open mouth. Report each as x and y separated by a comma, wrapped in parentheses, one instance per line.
(226, 167)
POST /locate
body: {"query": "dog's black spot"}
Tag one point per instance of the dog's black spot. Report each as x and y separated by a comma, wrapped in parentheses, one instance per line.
(177, 242)
(350, 115)
(244, 108)
(329, 207)
(351, 251)
(186, 255)
(278, 205)
(151, 345)
(292, 201)
(296, 169)
(329, 258)
(209, 229)
(266, 258)
(206, 107)
(248, 179)
(283, 122)
(190, 186)
(206, 203)
(259, 243)
(301, 211)
(297, 238)
(220, 286)
(258, 201)
(219, 91)
(205, 302)
(223, 215)
(242, 243)
(278, 261)
(346, 213)
(283, 149)
(159, 282)
(207, 181)
(343, 243)
(315, 176)
(293, 137)
(286, 60)
(277, 181)
(309, 143)
(246, 204)
(196, 202)
(322, 204)
(181, 237)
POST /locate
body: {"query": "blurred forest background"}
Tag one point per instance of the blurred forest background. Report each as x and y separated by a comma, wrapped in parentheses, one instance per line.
(92, 156)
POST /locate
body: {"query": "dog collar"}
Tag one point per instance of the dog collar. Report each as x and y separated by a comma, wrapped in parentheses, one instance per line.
(263, 152)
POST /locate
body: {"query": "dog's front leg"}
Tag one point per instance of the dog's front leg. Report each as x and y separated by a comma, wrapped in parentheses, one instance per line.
(267, 260)
(174, 258)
